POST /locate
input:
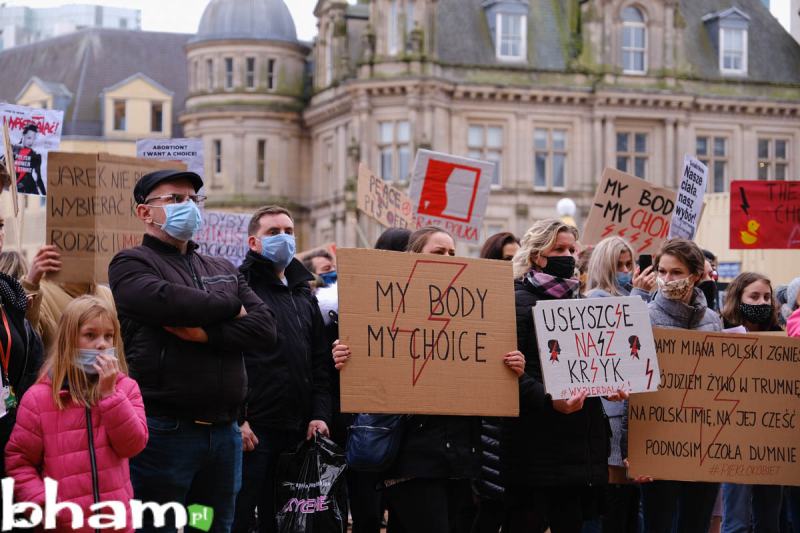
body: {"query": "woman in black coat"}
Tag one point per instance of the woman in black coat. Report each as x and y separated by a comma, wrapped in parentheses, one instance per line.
(555, 454)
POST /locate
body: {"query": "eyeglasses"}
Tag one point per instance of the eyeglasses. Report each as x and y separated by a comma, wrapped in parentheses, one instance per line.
(176, 198)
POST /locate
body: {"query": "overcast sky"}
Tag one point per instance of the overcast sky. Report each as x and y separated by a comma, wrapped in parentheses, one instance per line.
(184, 15)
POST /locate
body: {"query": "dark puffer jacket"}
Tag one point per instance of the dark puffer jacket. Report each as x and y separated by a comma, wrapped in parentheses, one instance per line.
(489, 485)
(438, 447)
(288, 383)
(156, 286)
(544, 448)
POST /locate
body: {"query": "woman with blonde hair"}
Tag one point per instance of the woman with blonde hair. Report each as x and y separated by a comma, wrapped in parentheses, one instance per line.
(555, 454)
(612, 272)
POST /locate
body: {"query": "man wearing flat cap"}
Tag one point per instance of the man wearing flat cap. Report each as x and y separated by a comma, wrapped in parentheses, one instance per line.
(186, 319)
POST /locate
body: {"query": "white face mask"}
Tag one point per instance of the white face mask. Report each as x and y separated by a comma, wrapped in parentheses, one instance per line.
(675, 289)
(87, 358)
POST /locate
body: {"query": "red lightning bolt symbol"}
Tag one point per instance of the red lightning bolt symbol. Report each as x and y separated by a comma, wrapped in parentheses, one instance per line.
(635, 237)
(647, 242)
(649, 372)
(703, 449)
(619, 316)
(594, 367)
(608, 230)
(445, 321)
(622, 232)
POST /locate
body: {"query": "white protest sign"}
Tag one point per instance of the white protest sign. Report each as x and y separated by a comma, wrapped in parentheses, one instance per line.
(451, 192)
(689, 204)
(224, 235)
(188, 151)
(599, 345)
(33, 134)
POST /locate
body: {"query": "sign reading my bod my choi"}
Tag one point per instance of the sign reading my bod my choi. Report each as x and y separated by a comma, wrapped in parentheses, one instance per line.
(451, 192)
(599, 345)
(632, 208)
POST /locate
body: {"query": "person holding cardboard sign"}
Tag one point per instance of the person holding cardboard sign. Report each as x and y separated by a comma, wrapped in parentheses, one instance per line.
(428, 485)
(679, 303)
(186, 319)
(555, 454)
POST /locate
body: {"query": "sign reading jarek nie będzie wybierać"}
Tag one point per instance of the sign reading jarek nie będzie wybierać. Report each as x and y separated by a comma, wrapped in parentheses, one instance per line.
(599, 345)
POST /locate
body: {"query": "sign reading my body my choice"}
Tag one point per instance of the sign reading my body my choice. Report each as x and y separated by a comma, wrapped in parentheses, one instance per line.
(599, 345)
(428, 334)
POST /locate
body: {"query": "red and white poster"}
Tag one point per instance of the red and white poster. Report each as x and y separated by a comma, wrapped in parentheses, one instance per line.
(451, 192)
(34, 133)
(765, 215)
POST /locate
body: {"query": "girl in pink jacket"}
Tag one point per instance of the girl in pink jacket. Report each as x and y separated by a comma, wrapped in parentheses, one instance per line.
(81, 421)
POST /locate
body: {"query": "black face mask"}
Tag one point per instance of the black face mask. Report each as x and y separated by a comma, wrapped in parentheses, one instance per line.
(561, 266)
(756, 314)
(709, 288)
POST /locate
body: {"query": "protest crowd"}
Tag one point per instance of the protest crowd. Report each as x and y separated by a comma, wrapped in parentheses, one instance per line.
(189, 379)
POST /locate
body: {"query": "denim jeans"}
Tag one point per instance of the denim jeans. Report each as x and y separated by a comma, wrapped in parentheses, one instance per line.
(189, 463)
(747, 508)
(792, 503)
(258, 478)
(688, 504)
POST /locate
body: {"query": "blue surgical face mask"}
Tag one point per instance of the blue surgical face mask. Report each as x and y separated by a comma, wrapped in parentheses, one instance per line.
(329, 277)
(87, 358)
(183, 220)
(279, 249)
(624, 278)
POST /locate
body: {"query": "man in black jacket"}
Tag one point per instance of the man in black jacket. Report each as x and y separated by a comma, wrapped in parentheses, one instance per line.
(186, 319)
(288, 397)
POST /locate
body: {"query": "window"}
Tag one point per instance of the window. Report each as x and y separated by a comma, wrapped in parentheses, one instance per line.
(394, 28)
(713, 152)
(156, 117)
(632, 153)
(550, 158)
(511, 36)
(486, 143)
(195, 75)
(250, 72)
(210, 74)
(395, 149)
(229, 73)
(329, 163)
(773, 159)
(217, 156)
(634, 41)
(409, 19)
(271, 74)
(119, 115)
(261, 161)
(733, 50)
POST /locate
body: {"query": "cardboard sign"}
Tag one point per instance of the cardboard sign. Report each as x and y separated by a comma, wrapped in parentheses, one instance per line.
(427, 334)
(224, 235)
(34, 133)
(689, 204)
(727, 410)
(599, 345)
(379, 200)
(188, 151)
(451, 192)
(765, 215)
(91, 213)
(632, 208)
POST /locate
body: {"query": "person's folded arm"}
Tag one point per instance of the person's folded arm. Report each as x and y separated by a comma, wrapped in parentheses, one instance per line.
(143, 295)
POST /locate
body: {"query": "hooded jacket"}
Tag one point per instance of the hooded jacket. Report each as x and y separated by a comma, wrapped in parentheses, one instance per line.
(156, 286)
(289, 380)
(52, 442)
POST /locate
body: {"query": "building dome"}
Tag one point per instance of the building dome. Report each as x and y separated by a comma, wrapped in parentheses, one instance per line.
(246, 19)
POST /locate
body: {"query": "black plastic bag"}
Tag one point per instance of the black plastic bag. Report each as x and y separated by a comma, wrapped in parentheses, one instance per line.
(311, 494)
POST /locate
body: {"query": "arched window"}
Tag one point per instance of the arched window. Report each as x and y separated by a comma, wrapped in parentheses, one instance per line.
(634, 41)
